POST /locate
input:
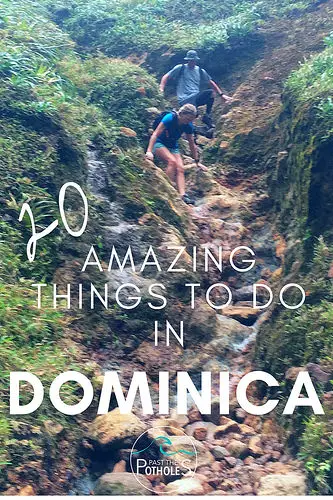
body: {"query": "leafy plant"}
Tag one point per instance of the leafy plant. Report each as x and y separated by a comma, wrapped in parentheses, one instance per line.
(312, 82)
(134, 26)
(317, 453)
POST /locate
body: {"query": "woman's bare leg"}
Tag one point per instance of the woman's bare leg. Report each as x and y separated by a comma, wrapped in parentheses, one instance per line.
(170, 160)
(180, 174)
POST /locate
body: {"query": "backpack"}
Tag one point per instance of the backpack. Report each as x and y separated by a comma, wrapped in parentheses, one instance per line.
(159, 118)
(182, 69)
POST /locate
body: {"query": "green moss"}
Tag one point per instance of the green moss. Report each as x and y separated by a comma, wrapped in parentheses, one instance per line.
(294, 338)
(316, 451)
(121, 89)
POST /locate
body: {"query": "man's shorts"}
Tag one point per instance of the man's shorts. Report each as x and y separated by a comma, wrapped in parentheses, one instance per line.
(159, 144)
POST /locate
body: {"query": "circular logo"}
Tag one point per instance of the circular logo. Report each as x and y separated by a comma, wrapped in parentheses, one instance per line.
(164, 454)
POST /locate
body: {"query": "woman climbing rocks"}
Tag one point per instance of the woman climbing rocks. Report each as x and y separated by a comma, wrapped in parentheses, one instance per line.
(164, 145)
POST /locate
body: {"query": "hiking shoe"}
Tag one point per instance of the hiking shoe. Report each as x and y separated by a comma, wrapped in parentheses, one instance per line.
(187, 199)
(210, 133)
(207, 121)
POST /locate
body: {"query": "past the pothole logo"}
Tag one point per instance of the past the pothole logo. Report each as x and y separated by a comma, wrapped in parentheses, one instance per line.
(162, 455)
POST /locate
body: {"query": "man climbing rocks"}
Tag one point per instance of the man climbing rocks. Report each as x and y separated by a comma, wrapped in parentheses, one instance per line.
(164, 145)
(190, 79)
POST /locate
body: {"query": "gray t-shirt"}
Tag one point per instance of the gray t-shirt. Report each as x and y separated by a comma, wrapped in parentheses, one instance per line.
(189, 82)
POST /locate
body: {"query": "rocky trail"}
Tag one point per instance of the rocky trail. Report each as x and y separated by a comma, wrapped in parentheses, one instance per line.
(240, 454)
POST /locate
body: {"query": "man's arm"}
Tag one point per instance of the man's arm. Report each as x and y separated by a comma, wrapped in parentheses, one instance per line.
(219, 91)
(163, 82)
(173, 73)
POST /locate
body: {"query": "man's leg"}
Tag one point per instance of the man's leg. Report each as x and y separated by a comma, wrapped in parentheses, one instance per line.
(205, 97)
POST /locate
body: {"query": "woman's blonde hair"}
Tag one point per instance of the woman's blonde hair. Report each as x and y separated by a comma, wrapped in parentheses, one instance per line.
(188, 109)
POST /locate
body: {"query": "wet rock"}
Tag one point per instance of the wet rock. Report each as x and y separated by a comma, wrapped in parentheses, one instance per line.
(181, 420)
(246, 293)
(249, 460)
(241, 313)
(228, 426)
(125, 455)
(238, 449)
(219, 452)
(253, 421)
(120, 466)
(200, 433)
(282, 485)
(194, 415)
(172, 426)
(231, 461)
(276, 455)
(53, 428)
(263, 459)
(293, 371)
(247, 489)
(253, 447)
(214, 365)
(229, 331)
(127, 132)
(10, 492)
(122, 483)
(201, 140)
(246, 429)
(185, 486)
(203, 319)
(317, 373)
(26, 491)
(115, 429)
(269, 427)
(153, 112)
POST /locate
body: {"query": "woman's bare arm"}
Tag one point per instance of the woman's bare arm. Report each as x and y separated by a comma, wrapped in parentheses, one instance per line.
(194, 151)
(193, 147)
(160, 128)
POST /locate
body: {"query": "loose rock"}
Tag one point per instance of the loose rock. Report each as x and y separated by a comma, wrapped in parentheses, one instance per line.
(115, 429)
(282, 485)
(122, 483)
(220, 452)
(185, 486)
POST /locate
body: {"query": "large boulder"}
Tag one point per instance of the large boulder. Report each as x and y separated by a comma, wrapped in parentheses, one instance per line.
(122, 483)
(116, 429)
(293, 483)
(185, 486)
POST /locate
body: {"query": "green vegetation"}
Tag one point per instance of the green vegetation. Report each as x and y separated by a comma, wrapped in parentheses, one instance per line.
(119, 88)
(52, 104)
(317, 452)
(312, 83)
(295, 338)
(55, 99)
(302, 186)
(134, 27)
